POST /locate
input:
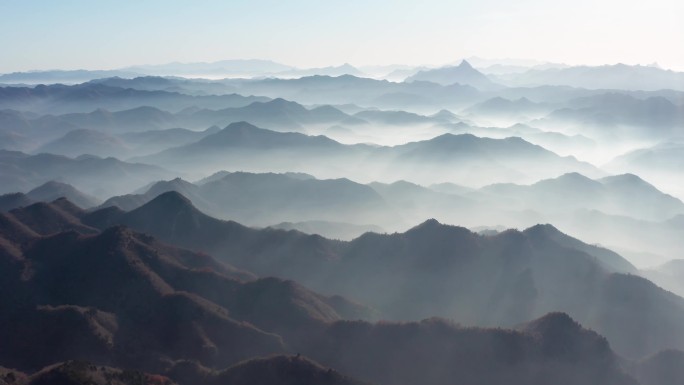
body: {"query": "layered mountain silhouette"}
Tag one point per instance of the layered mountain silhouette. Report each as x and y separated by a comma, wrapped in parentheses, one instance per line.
(343, 69)
(463, 74)
(72, 282)
(91, 174)
(277, 113)
(60, 76)
(662, 158)
(264, 199)
(618, 76)
(224, 68)
(500, 279)
(458, 157)
(86, 97)
(71, 279)
(84, 141)
(170, 84)
(619, 115)
(625, 194)
(52, 190)
(161, 229)
(153, 141)
(361, 91)
(47, 192)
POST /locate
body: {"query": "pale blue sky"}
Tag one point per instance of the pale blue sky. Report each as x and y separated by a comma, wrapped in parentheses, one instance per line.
(102, 34)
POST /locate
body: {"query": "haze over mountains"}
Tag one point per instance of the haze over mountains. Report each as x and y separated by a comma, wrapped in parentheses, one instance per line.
(246, 222)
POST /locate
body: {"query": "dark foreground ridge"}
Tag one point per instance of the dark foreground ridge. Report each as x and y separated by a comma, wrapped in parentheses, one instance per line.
(66, 285)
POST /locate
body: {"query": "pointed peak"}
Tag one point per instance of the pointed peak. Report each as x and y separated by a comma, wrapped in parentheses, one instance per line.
(279, 101)
(465, 64)
(170, 199)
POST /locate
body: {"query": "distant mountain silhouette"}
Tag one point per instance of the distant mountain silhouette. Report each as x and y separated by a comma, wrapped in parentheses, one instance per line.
(465, 158)
(463, 74)
(245, 135)
(662, 158)
(174, 84)
(669, 275)
(469, 158)
(60, 76)
(86, 97)
(224, 68)
(344, 69)
(618, 76)
(243, 143)
(52, 190)
(361, 91)
(662, 368)
(622, 115)
(277, 114)
(83, 129)
(262, 199)
(152, 141)
(91, 174)
(625, 194)
(83, 141)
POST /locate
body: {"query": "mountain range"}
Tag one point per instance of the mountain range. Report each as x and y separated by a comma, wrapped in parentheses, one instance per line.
(86, 97)
(478, 159)
(617, 76)
(481, 273)
(250, 222)
(463, 74)
(91, 174)
(170, 290)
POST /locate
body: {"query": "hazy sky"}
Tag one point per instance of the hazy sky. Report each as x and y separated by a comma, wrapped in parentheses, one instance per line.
(308, 33)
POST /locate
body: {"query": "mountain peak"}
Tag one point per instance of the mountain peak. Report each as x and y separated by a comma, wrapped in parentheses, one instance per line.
(171, 199)
(573, 176)
(241, 126)
(465, 65)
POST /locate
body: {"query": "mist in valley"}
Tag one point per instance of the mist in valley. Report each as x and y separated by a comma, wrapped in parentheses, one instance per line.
(292, 213)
